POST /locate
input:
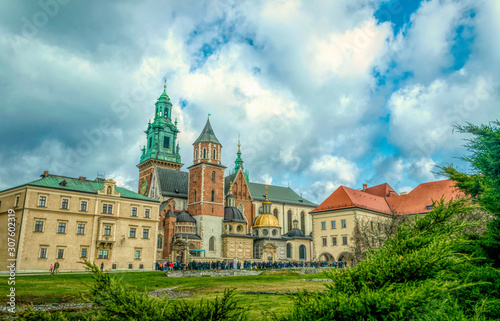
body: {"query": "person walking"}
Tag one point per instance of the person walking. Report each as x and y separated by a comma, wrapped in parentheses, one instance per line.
(56, 268)
(102, 266)
(52, 268)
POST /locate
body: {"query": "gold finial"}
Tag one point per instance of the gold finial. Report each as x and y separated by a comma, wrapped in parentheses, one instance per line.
(230, 187)
(266, 194)
(164, 84)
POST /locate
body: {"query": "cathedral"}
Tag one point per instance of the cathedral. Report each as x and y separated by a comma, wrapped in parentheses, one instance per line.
(205, 214)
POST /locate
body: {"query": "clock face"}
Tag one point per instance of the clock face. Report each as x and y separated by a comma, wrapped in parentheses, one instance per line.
(144, 187)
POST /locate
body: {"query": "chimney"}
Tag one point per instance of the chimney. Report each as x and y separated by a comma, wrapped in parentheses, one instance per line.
(392, 193)
(82, 178)
(45, 173)
(365, 186)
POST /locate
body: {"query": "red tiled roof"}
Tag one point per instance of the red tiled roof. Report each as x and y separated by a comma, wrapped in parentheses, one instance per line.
(414, 202)
(381, 190)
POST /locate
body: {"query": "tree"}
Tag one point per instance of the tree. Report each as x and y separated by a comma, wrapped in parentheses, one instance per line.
(483, 182)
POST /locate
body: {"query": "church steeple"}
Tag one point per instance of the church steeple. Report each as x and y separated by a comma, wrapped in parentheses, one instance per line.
(161, 150)
(162, 133)
(207, 147)
(238, 163)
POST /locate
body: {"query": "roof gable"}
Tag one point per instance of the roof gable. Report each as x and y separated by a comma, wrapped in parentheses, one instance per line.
(382, 190)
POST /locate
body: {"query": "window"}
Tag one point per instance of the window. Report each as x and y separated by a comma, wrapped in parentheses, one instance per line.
(84, 253)
(211, 244)
(146, 213)
(60, 253)
(195, 176)
(196, 154)
(166, 142)
(104, 208)
(113, 266)
(204, 153)
(39, 226)
(159, 244)
(334, 240)
(343, 223)
(61, 228)
(213, 196)
(105, 254)
(41, 201)
(109, 190)
(302, 252)
(110, 209)
(261, 210)
(132, 232)
(43, 253)
(213, 176)
(288, 250)
(141, 266)
(323, 225)
(429, 207)
(107, 230)
(137, 255)
(134, 211)
(100, 254)
(145, 233)
(344, 240)
(275, 232)
(149, 143)
(64, 204)
(239, 228)
(17, 201)
(213, 154)
(275, 213)
(81, 229)
(334, 225)
(303, 221)
(289, 214)
(195, 196)
(265, 232)
(83, 206)
(323, 240)
(130, 266)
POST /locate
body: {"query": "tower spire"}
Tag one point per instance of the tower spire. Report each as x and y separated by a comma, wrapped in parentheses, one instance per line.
(165, 85)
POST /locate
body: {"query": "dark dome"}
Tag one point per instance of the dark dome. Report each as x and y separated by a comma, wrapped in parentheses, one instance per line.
(185, 217)
(295, 233)
(232, 214)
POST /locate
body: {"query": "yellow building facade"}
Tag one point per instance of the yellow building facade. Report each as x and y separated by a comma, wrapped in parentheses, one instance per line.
(69, 220)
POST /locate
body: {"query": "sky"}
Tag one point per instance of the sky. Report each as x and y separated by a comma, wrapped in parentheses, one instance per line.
(323, 93)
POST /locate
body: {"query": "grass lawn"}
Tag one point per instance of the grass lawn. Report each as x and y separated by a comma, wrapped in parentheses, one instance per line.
(39, 289)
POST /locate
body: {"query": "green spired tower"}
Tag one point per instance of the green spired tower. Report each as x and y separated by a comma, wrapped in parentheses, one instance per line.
(238, 163)
(162, 149)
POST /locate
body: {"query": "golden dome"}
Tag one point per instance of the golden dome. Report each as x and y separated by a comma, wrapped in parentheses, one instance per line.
(266, 220)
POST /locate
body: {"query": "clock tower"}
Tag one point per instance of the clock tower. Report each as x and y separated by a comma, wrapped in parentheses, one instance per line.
(161, 148)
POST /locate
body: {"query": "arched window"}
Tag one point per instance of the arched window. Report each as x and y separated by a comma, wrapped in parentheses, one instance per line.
(288, 250)
(213, 176)
(195, 177)
(160, 242)
(261, 210)
(242, 209)
(213, 196)
(275, 212)
(109, 190)
(302, 252)
(213, 154)
(196, 153)
(289, 216)
(149, 143)
(194, 196)
(303, 221)
(211, 244)
(204, 153)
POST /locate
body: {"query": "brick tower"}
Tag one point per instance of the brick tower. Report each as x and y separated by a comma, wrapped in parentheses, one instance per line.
(161, 149)
(206, 190)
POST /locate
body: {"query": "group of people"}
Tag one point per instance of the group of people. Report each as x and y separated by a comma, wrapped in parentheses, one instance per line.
(234, 264)
(54, 268)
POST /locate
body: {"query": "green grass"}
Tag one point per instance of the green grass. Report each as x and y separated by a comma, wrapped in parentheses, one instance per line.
(42, 289)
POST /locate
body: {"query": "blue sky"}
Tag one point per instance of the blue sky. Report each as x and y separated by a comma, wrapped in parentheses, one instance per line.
(323, 93)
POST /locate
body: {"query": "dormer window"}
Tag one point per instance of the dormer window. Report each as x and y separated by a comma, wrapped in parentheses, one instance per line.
(63, 183)
(429, 207)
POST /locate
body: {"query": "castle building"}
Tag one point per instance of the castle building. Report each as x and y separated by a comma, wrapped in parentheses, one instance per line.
(69, 220)
(205, 213)
(368, 211)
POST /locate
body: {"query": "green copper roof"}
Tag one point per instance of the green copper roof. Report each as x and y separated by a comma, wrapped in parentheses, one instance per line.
(84, 186)
(277, 194)
(207, 135)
